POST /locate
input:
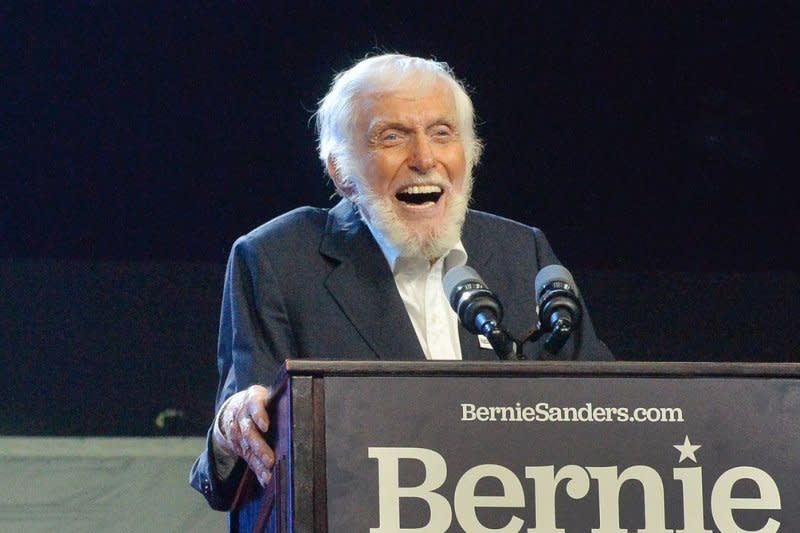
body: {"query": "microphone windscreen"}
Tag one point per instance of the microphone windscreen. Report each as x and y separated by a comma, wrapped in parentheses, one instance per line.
(552, 273)
(458, 276)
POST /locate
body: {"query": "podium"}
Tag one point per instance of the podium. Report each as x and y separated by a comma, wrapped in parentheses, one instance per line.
(541, 447)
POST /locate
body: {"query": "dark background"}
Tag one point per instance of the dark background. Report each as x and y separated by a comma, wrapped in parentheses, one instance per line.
(656, 143)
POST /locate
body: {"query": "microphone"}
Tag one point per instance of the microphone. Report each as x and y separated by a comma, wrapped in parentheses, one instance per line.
(478, 309)
(558, 305)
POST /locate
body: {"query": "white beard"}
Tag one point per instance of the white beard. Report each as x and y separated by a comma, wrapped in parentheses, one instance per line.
(380, 212)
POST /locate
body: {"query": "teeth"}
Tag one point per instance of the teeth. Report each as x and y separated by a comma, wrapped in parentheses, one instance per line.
(422, 189)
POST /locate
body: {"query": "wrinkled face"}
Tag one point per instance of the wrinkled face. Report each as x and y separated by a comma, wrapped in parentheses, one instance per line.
(412, 181)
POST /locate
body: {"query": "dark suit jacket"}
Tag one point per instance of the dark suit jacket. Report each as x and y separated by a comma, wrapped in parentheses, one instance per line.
(314, 283)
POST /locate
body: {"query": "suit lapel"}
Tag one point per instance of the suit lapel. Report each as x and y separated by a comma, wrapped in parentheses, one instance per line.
(480, 257)
(363, 286)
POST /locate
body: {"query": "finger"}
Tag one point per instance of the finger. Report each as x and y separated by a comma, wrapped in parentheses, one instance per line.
(262, 471)
(256, 402)
(260, 449)
(263, 474)
(258, 391)
(255, 451)
(258, 412)
(252, 442)
(244, 428)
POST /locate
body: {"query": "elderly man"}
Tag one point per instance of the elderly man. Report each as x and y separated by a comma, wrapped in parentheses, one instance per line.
(363, 280)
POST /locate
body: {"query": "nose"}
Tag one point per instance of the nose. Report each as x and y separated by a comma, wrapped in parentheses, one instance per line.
(421, 159)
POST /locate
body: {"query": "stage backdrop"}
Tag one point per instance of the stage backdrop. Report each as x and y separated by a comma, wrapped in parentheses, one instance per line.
(113, 348)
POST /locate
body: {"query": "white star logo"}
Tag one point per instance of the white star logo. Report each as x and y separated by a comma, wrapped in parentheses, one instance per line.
(687, 449)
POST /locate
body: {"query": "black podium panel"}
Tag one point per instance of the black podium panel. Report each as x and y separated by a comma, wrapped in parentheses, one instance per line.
(542, 448)
(650, 450)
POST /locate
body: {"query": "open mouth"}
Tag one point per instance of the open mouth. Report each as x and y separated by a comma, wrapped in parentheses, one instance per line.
(420, 194)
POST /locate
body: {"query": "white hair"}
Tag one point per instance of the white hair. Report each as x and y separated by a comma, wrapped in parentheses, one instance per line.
(337, 112)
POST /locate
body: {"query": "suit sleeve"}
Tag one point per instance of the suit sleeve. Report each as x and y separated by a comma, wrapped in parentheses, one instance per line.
(583, 344)
(254, 339)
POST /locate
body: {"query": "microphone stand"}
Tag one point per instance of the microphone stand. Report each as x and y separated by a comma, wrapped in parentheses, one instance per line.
(558, 337)
(501, 340)
(555, 340)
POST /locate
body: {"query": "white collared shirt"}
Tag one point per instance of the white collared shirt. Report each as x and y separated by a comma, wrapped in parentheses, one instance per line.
(420, 286)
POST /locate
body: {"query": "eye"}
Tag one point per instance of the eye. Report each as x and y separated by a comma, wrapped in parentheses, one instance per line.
(390, 137)
(442, 133)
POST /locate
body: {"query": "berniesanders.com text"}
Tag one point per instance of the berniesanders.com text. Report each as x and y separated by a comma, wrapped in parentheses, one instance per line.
(587, 412)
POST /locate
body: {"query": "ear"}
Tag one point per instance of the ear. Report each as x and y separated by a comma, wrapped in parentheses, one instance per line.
(342, 184)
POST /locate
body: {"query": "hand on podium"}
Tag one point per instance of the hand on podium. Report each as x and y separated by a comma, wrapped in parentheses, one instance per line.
(242, 423)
